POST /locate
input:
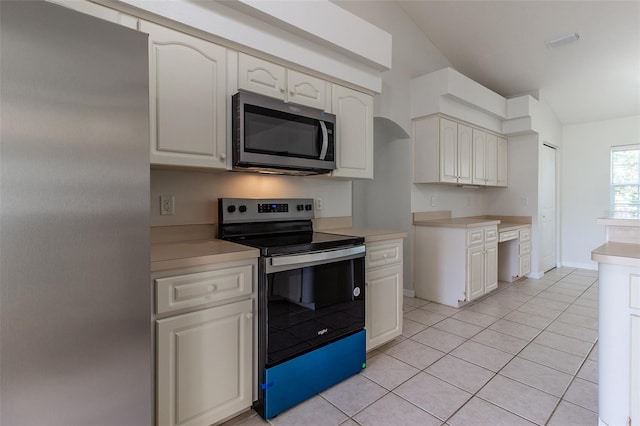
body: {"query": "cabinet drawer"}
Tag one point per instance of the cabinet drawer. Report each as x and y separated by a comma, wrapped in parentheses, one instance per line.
(525, 234)
(508, 235)
(525, 248)
(475, 236)
(191, 290)
(383, 254)
(490, 234)
(634, 295)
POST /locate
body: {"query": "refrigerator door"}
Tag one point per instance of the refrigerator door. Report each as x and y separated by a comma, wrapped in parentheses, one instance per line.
(75, 296)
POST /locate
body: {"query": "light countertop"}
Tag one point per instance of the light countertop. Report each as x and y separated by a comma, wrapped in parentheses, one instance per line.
(626, 254)
(197, 252)
(458, 222)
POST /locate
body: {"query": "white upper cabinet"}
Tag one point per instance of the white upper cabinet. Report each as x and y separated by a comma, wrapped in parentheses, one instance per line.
(491, 160)
(442, 151)
(187, 99)
(354, 133)
(269, 79)
(502, 168)
(448, 151)
(465, 154)
(479, 155)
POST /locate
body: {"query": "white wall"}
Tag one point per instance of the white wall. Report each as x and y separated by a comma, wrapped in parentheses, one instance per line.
(585, 183)
(386, 201)
(196, 193)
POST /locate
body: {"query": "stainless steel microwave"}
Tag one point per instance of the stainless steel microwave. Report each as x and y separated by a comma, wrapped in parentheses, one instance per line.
(272, 136)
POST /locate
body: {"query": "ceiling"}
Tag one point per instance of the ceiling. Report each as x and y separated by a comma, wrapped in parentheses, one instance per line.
(501, 45)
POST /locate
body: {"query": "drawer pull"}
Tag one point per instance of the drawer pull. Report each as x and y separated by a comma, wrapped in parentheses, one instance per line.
(212, 288)
(250, 315)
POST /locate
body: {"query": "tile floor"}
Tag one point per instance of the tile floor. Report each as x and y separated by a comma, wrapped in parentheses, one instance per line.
(526, 354)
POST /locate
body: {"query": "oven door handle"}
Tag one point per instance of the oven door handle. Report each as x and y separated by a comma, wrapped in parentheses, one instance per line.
(316, 256)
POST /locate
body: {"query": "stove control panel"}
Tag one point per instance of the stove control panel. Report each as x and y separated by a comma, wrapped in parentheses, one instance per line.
(243, 210)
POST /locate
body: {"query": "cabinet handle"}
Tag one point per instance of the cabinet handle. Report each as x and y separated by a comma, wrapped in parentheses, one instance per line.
(282, 90)
(223, 156)
(212, 288)
(249, 315)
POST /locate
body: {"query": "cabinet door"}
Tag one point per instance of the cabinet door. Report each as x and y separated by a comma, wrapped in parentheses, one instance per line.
(260, 76)
(491, 160)
(479, 154)
(448, 151)
(475, 272)
(354, 128)
(204, 361)
(383, 313)
(465, 154)
(524, 265)
(306, 90)
(187, 98)
(503, 169)
(635, 370)
(490, 267)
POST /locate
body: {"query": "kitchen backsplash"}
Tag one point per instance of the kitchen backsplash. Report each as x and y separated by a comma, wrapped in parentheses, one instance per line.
(195, 194)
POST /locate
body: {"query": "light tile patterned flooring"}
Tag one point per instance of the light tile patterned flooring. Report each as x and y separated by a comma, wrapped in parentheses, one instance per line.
(525, 354)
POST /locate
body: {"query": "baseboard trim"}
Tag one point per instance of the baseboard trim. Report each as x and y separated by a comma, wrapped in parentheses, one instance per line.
(580, 265)
(408, 293)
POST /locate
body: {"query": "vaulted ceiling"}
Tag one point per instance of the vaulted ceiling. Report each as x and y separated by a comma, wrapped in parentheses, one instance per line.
(502, 45)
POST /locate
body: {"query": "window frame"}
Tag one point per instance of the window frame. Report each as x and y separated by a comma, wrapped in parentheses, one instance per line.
(613, 186)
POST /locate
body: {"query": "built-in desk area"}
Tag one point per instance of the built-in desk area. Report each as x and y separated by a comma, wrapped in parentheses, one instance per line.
(457, 260)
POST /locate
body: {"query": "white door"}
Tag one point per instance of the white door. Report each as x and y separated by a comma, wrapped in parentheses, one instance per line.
(548, 208)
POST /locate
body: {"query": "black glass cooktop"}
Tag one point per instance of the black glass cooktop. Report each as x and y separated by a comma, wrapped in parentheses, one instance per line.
(297, 242)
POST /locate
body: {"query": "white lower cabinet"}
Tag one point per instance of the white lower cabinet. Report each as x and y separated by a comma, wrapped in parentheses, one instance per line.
(383, 311)
(453, 266)
(635, 369)
(204, 365)
(204, 318)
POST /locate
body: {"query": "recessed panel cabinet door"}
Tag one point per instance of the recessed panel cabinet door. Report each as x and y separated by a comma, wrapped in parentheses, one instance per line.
(465, 154)
(306, 90)
(354, 133)
(491, 267)
(203, 368)
(503, 169)
(479, 155)
(448, 151)
(260, 76)
(475, 272)
(383, 298)
(187, 98)
(491, 160)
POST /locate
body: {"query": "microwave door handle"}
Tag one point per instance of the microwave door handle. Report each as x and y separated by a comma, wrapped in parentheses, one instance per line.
(325, 140)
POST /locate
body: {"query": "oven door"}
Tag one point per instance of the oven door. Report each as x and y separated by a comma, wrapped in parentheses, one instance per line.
(312, 299)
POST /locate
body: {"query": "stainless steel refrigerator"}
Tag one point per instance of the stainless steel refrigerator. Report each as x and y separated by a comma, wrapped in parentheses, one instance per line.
(75, 297)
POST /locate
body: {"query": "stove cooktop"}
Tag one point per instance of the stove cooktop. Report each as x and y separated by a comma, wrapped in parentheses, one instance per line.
(276, 226)
(271, 245)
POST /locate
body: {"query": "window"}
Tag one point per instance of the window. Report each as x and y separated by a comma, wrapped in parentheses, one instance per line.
(625, 181)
